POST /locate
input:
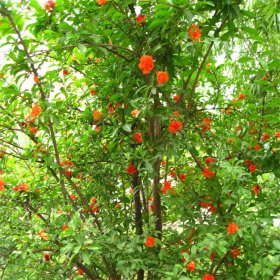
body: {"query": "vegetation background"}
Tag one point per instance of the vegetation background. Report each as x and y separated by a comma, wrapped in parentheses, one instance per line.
(139, 139)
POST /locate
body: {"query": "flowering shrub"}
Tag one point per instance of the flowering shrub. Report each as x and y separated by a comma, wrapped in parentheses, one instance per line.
(139, 140)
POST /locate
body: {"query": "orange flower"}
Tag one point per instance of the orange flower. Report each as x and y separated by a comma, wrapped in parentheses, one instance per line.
(65, 72)
(135, 113)
(33, 130)
(177, 113)
(97, 115)
(36, 79)
(191, 266)
(131, 169)
(162, 77)
(101, 2)
(277, 134)
(208, 277)
(208, 173)
(111, 108)
(47, 257)
(175, 126)
(209, 160)
(141, 20)
(2, 184)
(194, 32)
(173, 173)
(235, 252)
(176, 98)
(22, 187)
(252, 168)
(36, 111)
(94, 207)
(66, 163)
(265, 136)
(206, 124)
(213, 256)
(166, 187)
(257, 147)
(182, 177)
(98, 129)
(242, 96)
(146, 64)
(93, 91)
(138, 137)
(247, 161)
(65, 227)
(68, 172)
(150, 241)
(232, 228)
(80, 271)
(43, 235)
(256, 189)
(49, 5)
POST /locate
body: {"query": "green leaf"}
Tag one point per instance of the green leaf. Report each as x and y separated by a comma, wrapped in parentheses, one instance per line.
(127, 128)
(86, 257)
(276, 244)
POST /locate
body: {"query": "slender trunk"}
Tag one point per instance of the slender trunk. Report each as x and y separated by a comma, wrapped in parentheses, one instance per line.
(138, 213)
(157, 199)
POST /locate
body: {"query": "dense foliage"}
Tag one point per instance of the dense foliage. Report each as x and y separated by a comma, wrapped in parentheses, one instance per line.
(139, 139)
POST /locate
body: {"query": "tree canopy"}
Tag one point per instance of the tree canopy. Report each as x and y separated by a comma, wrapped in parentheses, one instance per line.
(139, 139)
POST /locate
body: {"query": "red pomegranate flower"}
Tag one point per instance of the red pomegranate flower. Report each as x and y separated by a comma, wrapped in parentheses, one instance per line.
(257, 147)
(247, 161)
(162, 77)
(49, 5)
(207, 173)
(131, 169)
(22, 187)
(209, 160)
(252, 168)
(235, 252)
(256, 189)
(36, 79)
(138, 137)
(182, 177)
(36, 111)
(146, 64)
(166, 187)
(265, 136)
(80, 271)
(141, 20)
(208, 277)
(65, 72)
(33, 130)
(191, 266)
(213, 256)
(47, 257)
(194, 32)
(65, 227)
(232, 228)
(97, 115)
(2, 184)
(242, 96)
(150, 241)
(175, 126)
(101, 2)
